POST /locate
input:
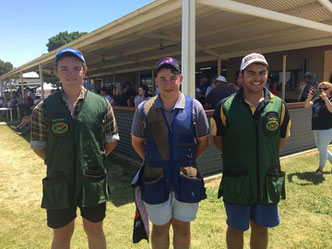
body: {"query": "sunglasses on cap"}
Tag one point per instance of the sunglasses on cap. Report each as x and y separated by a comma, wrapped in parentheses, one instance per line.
(323, 89)
(168, 61)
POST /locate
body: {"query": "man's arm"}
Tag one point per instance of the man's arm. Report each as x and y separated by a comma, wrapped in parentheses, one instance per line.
(218, 142)
(109, 147)
(40, 152)
(308, 103)
(138, 144)
(285, 125)
(202, 144)
(38, 139)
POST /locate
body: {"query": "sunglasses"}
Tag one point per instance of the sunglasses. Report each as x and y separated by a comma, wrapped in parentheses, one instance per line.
(323, 89)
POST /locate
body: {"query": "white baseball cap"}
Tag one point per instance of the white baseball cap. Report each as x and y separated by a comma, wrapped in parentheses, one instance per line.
(253, 58)
(221, 78)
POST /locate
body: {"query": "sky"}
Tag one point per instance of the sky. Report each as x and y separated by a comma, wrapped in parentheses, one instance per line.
(26, 25)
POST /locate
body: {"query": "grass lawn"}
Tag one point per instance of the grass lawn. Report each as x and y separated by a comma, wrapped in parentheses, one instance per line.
(306, 214)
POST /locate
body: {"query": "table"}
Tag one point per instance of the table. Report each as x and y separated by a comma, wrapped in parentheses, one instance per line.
(10, 110)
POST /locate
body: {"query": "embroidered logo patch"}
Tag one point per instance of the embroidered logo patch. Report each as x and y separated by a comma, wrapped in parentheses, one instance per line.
(272, 125)
(60, 128)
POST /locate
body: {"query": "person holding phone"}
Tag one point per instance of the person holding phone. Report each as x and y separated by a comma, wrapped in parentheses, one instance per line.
(321, 121)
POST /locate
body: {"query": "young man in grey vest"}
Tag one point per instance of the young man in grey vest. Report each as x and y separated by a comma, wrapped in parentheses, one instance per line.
(169, 132)
(74, 130)
(248, 128)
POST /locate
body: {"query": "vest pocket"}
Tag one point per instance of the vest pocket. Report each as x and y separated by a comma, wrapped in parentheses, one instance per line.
(94, 187)
(55, 193)
(153, 188)
(235, 189)
(191, 186)
(274, 187)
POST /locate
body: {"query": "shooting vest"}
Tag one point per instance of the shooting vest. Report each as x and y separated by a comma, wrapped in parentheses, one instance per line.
(170, 163)
(75, 155)
(251, 153)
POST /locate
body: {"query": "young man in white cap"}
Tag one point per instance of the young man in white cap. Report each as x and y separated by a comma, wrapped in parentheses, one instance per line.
(248, 128)
(74, 130)
(169, 132)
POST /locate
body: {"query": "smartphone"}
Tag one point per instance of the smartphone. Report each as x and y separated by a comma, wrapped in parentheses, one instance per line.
(316, 92)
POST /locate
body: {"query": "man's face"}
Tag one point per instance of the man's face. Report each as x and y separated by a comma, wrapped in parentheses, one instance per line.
(140, 91)
(220, 83)
(168, 83)
(254, 78)
(70, 71)
(203, 80)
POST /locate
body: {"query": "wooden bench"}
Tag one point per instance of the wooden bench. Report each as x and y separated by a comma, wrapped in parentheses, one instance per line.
(10, 110)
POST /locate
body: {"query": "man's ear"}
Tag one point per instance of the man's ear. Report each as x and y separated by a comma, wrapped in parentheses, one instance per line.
(156, 81)
(181, 77)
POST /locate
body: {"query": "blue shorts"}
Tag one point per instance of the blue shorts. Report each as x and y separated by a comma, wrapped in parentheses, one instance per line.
(238, 216)
(160, 214)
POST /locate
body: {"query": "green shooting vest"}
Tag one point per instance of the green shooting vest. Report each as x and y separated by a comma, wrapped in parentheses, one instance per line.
(75, 155)
(251, 171)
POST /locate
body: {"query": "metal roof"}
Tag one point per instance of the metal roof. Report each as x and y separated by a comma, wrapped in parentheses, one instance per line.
(224, 29)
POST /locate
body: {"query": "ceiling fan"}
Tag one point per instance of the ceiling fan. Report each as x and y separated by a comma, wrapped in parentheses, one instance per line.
(162, 46)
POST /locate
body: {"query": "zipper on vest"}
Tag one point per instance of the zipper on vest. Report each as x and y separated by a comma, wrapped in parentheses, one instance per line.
(257, 117)
(74, 122)
(256, 120)
(257, 158)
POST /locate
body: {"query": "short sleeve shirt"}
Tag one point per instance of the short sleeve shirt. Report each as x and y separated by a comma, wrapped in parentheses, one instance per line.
(202, 125)
(39, 127)
(219, 121)
(321, 117)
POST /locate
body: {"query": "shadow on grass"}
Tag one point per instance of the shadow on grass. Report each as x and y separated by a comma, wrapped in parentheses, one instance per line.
(122, 173)
(25, 134)
(306, 178)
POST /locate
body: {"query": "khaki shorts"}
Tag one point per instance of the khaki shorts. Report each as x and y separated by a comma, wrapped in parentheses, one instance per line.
(160, 214)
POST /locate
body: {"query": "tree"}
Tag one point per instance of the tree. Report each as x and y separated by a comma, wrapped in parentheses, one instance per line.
(61, 39)
(5, 67)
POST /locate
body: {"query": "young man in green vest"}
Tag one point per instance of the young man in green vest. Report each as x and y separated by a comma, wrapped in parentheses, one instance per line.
(248, 128)
(74, 130)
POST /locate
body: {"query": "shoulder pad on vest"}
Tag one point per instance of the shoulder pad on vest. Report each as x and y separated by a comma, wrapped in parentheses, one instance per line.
(148, 105)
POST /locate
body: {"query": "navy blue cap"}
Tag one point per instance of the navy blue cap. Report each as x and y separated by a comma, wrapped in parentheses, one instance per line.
(168, 61)
(69, 50)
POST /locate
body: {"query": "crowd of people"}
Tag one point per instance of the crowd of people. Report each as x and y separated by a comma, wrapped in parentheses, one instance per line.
(23, 106)
(124, 94)
(210, 89)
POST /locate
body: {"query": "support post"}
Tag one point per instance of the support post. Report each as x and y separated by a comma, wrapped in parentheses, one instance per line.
(284, 61)
(188, 57)
(22, 85)
(41, 80)
(11, 88)
(153, 82)
(219, 66)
